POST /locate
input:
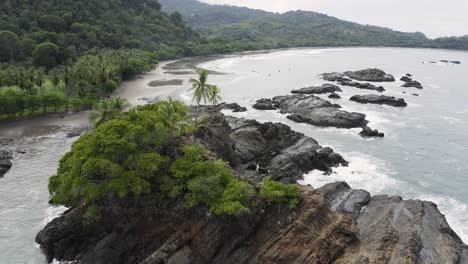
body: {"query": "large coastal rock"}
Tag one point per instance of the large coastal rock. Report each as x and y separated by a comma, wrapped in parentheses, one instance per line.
(333, 224)
(5, 161)
(369, 132)
(370, 75)
(313, 110)
(379, 99)
(367, 75)
(365, 86)
(271, 150)
(392, 230)
(323, 89)
(409, 82)
(413, 84)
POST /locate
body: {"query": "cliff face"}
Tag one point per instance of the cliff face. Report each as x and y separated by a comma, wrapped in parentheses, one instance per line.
(333, 224)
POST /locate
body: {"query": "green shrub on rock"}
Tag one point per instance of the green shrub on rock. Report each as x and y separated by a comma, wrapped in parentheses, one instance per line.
(277, 192)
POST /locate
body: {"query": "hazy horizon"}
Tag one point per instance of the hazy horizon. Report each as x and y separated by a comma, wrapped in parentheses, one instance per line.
(433, 18)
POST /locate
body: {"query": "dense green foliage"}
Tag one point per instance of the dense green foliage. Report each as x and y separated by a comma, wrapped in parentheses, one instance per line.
(108, 109)
(95, 74)
(262, 30)
(130, 155)
(78, 26)
(276, 192)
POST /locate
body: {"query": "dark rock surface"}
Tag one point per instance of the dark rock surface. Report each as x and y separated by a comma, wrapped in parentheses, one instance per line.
(406, 79)
(271, 150)
(365, 86)
(5, 161)
(323, 89)
(335, 77)
(369, 132)
(235, 107)
(379, 99)
(334, 96)
(370, 75)
(409, 82)
(313, 110)
(413, 84)
(265, 104)
(367, 75)
(392, 230)
(77, 131)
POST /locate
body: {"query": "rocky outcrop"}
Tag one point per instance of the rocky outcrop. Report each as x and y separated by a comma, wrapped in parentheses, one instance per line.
(169, 233)
(370, 75)
(77, 131)
(365, 86)
(409, 82)
(406, 79)
(313, 110)
(392, 230)
(334, 77)
(271, 150)
(235, 107)
(5, 161)
(334, 96)
(325, 88)
(367, 75)
(413, 84)
(379, 99)
(369, 132)
(333, 224)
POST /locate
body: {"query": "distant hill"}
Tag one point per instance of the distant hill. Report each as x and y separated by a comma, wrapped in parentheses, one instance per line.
(295, 28)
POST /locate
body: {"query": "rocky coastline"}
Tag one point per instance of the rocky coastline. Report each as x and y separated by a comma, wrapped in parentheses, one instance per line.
(312, 110)
(332, 224)
(379, 99)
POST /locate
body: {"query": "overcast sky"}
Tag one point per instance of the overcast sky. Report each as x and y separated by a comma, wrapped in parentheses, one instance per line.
(434, 18)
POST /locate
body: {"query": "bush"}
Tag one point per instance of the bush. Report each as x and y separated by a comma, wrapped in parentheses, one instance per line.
(120, 157)
(277, 192)
(46, 55)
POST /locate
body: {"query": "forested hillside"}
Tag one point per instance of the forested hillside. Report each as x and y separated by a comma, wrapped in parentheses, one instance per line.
(225, 23)
(57, 55)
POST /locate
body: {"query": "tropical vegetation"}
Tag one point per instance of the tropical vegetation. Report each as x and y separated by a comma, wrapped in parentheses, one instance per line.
(140, 154)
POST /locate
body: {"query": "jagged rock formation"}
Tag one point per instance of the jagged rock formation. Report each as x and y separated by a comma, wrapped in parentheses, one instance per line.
(365, 86)
(323, 89)
(257, 150)
(369, 132)
(333, 224)
(409, 82)
(5, 161)
(367, 75)
(379, 99)
(313, 110)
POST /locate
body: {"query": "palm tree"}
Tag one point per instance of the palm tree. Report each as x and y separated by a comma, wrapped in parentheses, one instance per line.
(201, 89)
(172, 118)
(107, 109)
(215, 98)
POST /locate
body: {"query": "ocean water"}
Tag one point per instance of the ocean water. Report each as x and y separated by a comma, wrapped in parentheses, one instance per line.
(424, 154)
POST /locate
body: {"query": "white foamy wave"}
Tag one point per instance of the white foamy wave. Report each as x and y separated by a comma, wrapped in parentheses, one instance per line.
(53, 212)
(455, 211)
(363, 172)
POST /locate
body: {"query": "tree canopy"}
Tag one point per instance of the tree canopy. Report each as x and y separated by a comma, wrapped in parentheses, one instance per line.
(139, 154)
